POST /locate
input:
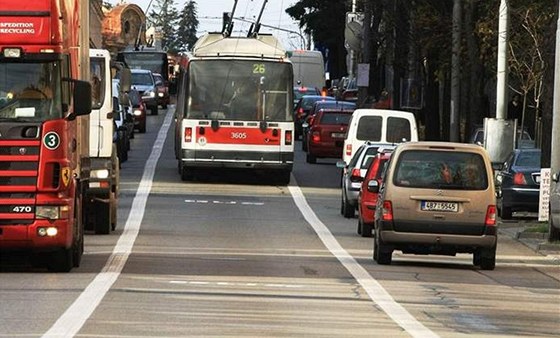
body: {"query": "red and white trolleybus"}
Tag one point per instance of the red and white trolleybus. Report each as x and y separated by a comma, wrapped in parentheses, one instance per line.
(234, 106)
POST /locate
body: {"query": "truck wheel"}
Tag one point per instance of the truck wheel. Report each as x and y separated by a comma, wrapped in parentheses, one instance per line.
(61, 260)
(102, 220)
(186, 174)
(284, 177)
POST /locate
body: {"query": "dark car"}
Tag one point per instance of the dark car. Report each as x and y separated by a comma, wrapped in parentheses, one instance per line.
(325, 137)
(300, 91)
(138, 110)
(520, 182)
(162, 90)
(302, 109)
(143, 81)
(367, 197)
(318, 105)
(351, 91)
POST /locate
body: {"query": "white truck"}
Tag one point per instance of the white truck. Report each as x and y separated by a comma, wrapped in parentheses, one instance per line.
(102, 192)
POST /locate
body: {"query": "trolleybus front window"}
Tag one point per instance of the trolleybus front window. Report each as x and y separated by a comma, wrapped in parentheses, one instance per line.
(240, 90)
(30, 91)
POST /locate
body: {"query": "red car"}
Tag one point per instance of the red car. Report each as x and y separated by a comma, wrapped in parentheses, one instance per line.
(138, 110)
(326, 133)
(367, 199)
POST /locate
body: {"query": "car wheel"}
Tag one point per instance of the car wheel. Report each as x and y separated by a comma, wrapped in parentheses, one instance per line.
(487, 258)
(367, 229)
(142, 128)
(310, 158)
(154, 110)
(348, 209)
(505, 212)
(164, 106)
(303, 144)
(553, 231)
(359, 226)
(381, 253)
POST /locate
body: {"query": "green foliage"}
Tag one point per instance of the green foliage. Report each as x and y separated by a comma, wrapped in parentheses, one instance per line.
(188, 25)
(164, 17)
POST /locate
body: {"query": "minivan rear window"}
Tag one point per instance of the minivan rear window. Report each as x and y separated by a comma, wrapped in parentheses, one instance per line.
(433, 169)
(369, 128)
(398, 129)
(335, 118)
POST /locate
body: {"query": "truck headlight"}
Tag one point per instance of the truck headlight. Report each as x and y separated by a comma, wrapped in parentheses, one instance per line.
(51, 211)
(99, 173)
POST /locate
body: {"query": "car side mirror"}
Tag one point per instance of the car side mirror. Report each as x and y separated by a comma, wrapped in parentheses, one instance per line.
(305, 125)
(341, 164)
(556, 177)
(373, 186)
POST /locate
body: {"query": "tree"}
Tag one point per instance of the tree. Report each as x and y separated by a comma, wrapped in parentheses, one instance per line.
(325, 21)
(188, 24)
(164, 18)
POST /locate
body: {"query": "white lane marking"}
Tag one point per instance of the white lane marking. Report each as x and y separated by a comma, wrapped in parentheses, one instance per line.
(375, 291)
(225, 202)
(270, 285)
(72, 320)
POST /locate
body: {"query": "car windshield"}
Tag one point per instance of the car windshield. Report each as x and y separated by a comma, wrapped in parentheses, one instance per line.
(30, 91)
(440, 170)
(142, 79)
(529, 159)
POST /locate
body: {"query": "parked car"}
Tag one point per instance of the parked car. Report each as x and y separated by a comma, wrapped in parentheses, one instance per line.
(519, 182)
(380, 126)
(526, 140)
(353, 174)
(162, 86)
(350, 93)
(302, 109)
(139, 110)
(326, 134)
(367, 197)
(329, 104)
(554, 209)
(143, 81)
(300, 91)
(437, 198)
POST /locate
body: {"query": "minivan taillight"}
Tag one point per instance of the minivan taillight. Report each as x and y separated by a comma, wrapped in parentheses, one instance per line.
(348, 149)
(387, 211)
(316, 136)
(188, 134)
(490, 215)
(519, 179)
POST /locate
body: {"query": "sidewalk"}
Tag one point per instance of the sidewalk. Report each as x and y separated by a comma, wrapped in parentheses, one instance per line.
(536, 241)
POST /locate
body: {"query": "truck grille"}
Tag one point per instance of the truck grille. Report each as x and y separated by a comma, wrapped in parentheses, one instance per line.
(19, 162)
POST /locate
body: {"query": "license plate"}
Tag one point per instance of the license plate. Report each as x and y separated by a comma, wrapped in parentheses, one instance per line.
(337, 135)
(440, 206)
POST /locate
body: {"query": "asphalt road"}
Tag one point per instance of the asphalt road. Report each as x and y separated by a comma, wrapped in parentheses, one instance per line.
(231, 255)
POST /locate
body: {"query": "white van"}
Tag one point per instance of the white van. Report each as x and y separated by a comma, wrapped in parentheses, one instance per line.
(378, 126)
(309, 68)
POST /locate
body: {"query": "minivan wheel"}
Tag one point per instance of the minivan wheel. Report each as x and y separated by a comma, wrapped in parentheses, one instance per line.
(486, 258)
(381, 253)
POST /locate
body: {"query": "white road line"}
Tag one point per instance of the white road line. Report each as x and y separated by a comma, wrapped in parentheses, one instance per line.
(71, 321)
(375, 291)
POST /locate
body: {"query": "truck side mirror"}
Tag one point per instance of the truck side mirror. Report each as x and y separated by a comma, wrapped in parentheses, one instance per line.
(81, 98)
(125, 79)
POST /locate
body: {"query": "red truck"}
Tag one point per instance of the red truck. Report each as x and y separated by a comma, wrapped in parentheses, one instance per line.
(44, 102)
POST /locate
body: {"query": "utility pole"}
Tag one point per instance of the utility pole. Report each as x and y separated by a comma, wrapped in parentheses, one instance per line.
(352, 55)
(501, 90)
(454, 120)
(555, 144)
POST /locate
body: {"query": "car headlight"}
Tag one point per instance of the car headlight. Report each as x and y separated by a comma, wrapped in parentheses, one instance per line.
(137, 112)
(160, 94)
(99, 173)
(152, 94)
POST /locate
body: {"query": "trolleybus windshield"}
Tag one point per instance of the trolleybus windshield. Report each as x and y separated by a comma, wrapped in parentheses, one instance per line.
(240, 90)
